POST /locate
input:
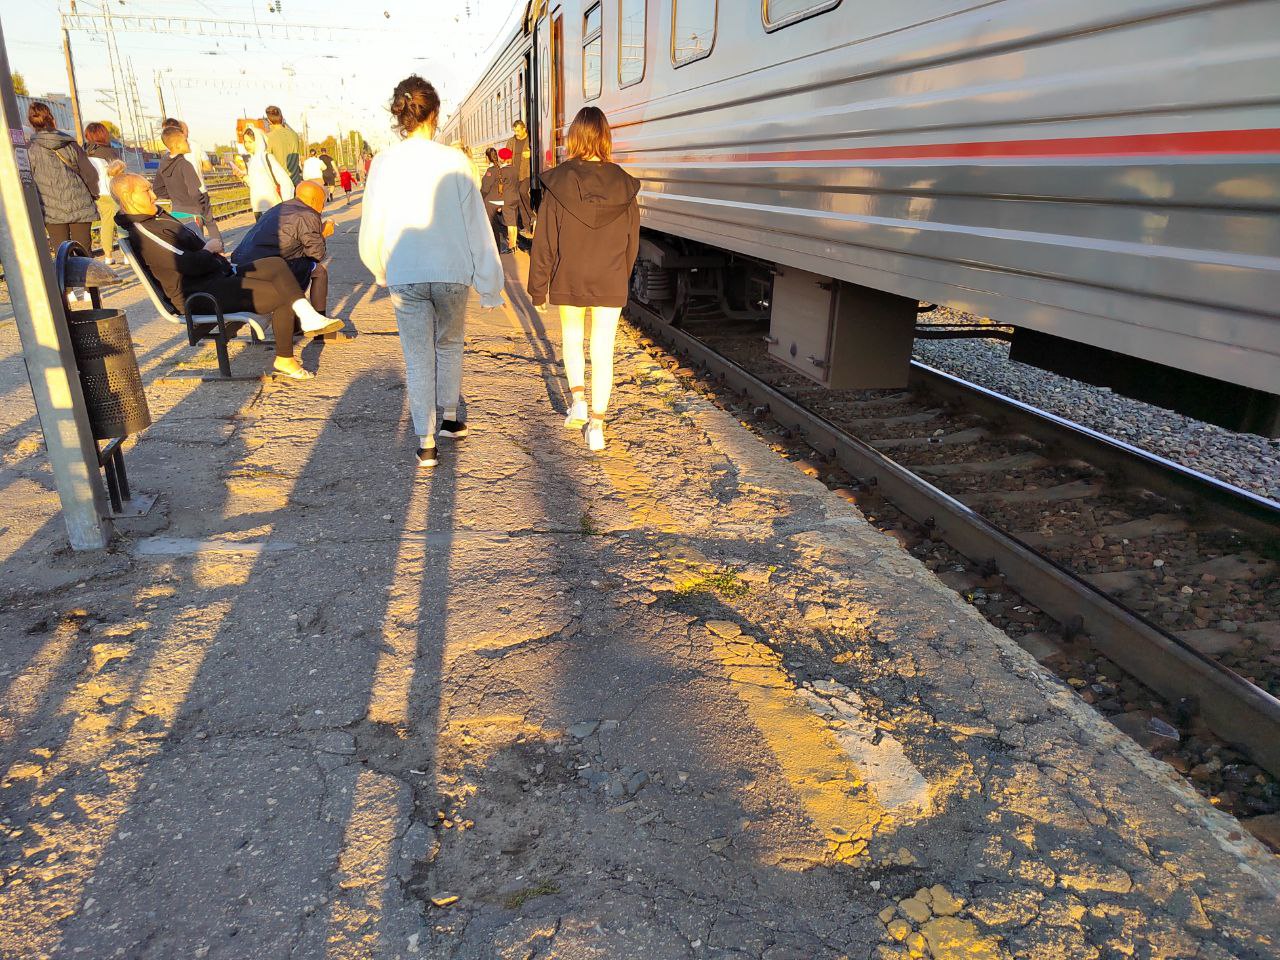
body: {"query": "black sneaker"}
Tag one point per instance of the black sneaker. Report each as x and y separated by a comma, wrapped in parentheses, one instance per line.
(453, 428)
(427, 457)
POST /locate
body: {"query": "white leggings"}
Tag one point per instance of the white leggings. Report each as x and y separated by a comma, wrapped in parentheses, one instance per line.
(604, 327)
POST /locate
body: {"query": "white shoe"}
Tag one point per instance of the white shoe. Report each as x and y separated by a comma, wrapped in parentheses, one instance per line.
(319, 326)
(595, 435)
(314, 324)
(577, 417)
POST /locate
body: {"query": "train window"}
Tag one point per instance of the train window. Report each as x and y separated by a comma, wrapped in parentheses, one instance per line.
(592, 48)
(631, 14)
(693, 30)
(782, 13)
(544, 74)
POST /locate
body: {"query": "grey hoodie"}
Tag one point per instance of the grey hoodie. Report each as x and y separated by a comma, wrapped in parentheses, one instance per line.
(65, 179)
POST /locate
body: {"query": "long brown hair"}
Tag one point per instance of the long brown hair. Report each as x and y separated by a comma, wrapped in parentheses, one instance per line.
(40, 116)
(589, 135)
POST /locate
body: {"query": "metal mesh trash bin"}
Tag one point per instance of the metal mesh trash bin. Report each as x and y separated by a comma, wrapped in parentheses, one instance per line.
(108, 372)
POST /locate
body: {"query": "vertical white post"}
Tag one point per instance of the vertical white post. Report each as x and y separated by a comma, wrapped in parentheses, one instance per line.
(46, 344)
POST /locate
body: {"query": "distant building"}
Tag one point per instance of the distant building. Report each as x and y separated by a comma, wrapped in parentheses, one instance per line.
(59, 103)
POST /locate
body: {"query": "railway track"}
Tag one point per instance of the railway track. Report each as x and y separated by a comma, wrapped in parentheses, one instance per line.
(1165, 573)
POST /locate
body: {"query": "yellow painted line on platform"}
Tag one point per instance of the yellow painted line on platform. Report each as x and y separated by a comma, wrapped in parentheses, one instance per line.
(829, 785)
(637, 492)
(364, 865)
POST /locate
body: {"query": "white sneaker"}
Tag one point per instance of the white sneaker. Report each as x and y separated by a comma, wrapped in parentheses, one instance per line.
(577, 417)
(318, 328)
(595, 435)
(314, 324)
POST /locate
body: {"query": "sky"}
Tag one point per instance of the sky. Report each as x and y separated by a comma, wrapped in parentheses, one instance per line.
(209, 81)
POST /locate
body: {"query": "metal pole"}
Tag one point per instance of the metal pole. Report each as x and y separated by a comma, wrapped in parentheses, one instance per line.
(113, 56)
(71, 78)
(71, 81)
(160, 93)
(46, 343)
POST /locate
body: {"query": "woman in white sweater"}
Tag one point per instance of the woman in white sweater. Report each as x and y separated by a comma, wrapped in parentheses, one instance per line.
(425, 237)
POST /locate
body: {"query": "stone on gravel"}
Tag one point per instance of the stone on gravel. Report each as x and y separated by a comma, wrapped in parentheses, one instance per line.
(1266, 828)
(1138, 726)
(583, 729)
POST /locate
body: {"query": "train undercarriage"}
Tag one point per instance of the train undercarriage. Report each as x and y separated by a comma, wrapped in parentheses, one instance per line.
(846, 336)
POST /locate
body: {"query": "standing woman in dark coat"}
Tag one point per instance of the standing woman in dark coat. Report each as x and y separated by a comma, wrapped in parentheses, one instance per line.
(583, 250)
(65, 179)
(491, 191)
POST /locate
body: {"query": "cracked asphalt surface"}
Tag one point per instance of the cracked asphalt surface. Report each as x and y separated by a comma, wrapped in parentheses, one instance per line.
(673, 701)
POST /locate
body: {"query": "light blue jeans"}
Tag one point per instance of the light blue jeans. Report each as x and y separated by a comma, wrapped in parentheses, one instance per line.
(431, 318)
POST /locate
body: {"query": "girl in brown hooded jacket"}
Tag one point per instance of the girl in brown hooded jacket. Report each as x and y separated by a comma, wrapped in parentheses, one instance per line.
(584, 247)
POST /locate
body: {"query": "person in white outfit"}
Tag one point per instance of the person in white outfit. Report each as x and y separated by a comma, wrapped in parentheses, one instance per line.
(313, 168)
(425, 237)
(268, 182)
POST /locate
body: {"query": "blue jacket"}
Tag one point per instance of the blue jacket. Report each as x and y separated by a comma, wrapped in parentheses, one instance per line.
(291, 230)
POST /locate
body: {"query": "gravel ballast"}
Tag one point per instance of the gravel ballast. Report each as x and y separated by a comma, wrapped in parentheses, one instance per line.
(1243, 459)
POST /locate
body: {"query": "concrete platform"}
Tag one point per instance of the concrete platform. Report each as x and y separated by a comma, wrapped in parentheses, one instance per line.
(671, 701)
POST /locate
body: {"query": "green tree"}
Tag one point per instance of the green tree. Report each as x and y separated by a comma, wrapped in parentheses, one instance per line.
(329, 145)
(20, 85)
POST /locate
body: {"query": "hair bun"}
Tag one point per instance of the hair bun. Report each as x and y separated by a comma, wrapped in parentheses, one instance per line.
(413, 103)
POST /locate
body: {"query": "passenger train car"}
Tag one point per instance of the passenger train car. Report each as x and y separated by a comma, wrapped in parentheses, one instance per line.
(1103, 175)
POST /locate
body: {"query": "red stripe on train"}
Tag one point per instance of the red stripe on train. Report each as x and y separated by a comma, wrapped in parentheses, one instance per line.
(1142, 144)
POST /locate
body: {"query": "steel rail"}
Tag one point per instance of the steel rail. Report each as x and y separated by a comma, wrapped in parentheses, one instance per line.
(1137, 467)
(1233, 708)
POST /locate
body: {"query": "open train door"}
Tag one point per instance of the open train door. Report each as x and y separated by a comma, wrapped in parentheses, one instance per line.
(549, 90)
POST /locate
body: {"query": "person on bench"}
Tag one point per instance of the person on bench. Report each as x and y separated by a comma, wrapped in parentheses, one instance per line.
(294, 231)
(182, 264)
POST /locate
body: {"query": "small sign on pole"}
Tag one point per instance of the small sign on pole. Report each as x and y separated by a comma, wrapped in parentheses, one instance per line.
(19, 141)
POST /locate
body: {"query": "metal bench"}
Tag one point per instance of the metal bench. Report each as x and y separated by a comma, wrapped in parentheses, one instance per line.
(216, 326)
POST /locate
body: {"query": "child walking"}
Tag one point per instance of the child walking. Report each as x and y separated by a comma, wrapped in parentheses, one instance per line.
(583, 250)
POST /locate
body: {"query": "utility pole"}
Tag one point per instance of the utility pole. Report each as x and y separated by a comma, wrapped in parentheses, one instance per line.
(136, 100)
(160, 93)
(46, 341)
(117, 71)
(135, 105)
(71, 79)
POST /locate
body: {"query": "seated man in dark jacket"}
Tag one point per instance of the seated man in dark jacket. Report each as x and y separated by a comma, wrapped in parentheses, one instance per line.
(294, 232)
(182, 264)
